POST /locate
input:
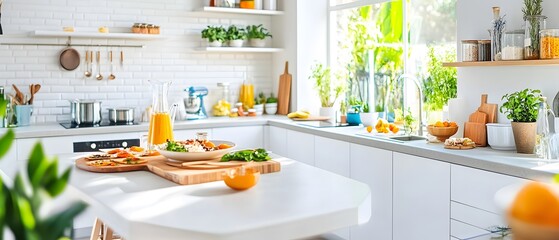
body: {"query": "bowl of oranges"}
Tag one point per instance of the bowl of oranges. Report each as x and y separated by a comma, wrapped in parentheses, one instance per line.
(534, 212)
(443, 130)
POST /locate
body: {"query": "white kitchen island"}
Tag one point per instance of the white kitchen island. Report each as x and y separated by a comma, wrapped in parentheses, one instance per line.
(299, 201)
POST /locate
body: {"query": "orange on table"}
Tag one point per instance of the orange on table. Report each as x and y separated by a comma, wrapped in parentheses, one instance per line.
(241, 178)
(536, 203)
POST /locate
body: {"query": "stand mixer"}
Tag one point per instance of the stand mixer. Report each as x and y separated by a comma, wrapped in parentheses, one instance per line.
(194, 103)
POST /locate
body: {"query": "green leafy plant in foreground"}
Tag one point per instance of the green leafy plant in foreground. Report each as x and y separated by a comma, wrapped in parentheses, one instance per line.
(522, 106)
(21, 204)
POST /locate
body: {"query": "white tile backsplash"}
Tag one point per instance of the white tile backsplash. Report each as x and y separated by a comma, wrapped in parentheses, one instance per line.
(172, 58)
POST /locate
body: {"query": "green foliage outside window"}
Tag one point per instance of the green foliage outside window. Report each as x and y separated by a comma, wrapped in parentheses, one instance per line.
(440, 83)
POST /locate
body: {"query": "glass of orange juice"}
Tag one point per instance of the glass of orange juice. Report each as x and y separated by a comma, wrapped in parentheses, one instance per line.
(160, 124)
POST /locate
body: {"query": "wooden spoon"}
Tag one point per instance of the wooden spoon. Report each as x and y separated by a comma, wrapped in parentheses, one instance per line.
(19, 94)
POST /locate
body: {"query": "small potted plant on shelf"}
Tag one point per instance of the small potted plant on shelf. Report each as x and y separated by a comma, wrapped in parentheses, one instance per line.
(328, 91)
(256, 35)
(236, 36)
(259, 103)
(522, 108)
(271, 105)
(215, 35)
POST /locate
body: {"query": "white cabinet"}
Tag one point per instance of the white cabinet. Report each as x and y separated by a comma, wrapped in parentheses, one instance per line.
(421, 198)
(373, 166)
(244, 137)
(276, 139)
(8, 163)
(300, 147)
(331, 155)
(191, 134)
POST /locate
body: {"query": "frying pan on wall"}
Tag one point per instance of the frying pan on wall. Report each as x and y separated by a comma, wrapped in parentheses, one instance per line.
(69, 59)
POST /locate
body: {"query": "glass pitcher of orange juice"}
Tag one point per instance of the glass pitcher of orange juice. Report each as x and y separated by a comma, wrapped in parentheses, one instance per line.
(162, 117)
(246, 95)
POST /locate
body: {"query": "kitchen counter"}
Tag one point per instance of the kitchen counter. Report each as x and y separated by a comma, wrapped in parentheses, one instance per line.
(297, 202)
(503, 162)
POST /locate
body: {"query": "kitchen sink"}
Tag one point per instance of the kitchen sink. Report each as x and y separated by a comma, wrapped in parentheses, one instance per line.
(407, 138)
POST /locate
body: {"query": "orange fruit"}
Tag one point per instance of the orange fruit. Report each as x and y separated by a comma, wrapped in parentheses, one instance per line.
(536, 203)
(223, 146)
(446, 124)
(241, 178)
(209, 144)
(370, 129)
(453, 124)
(395, 129)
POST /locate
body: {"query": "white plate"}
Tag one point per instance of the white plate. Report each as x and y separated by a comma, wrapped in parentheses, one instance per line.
(197, 156)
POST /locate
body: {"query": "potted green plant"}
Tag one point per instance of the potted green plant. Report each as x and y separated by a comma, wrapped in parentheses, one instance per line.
(257, 35)
(366, 116)
(327, 90)
(259, 103)
(535, 22)
(522, 109)
(236, 36)
(271, 106)
(215, 35)
(22, 202)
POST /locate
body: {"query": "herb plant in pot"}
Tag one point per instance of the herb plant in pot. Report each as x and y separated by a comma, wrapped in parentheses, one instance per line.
(271, 106)
(327, 90)
(257, 35)
(259, 103)
(367, 117)
(215, 35)
(522, 109)
(236, 36)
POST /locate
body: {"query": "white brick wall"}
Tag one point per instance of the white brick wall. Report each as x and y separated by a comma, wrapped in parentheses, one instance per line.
(172, 58)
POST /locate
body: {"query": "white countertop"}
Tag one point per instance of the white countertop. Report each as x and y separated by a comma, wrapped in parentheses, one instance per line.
(505, 162)
(299, 201)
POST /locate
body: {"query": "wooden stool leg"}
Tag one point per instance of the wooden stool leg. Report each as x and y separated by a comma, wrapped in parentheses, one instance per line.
(96, 231)
(108, 234)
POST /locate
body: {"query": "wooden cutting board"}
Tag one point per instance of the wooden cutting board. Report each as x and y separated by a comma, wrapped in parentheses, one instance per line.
(284, 91)
(475, 128)
(186, 176)
(190, 173)
(488, 108)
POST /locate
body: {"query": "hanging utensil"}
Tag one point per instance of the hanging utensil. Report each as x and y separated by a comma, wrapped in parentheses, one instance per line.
(32, 93)
(87, 63)
(111, 76)
(69, 59)
(19, 95)
(99, 76)
(121, 59)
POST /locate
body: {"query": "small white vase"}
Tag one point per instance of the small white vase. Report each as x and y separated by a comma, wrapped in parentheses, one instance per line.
(259, 109)
(236, 43)
(367, 118)
(329, 112)
(255, 42)
(271, 108)
(215, 44)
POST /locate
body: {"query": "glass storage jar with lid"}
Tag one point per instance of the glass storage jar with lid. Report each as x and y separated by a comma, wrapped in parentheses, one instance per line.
(484, 50)
(469, 50)
(549, 43)
(513, 45)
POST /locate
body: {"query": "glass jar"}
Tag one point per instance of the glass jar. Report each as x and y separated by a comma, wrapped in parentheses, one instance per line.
(513, 45)
(496, 34)
(549, 43)
(484, 50)
(534, 24)
(469, 50)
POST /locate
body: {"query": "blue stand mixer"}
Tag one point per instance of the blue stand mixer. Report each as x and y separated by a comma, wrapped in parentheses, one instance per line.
(194, 103)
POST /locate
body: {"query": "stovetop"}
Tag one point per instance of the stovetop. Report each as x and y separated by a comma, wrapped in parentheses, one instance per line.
(69, 125)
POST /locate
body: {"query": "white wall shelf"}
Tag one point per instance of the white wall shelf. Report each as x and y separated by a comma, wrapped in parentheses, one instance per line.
(240, 11)
(239, 50)
(41, 33)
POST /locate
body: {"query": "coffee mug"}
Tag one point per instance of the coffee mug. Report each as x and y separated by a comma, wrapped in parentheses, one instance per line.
(23, 114)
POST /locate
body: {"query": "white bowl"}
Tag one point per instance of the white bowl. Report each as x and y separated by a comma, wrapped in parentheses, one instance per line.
(500, 137)
(197, 156)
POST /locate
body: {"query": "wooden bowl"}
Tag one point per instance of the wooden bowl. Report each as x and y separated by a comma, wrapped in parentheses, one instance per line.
(442, 133)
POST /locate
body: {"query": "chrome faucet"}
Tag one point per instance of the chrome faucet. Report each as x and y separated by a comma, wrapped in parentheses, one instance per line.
(418, 85)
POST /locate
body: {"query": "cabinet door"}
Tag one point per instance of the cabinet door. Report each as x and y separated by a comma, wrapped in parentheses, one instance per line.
(373, 166)
(331, 155)
(421, 198)
(244, 137)
(191, 134)
(277, 140)
(8, 163)
(300, 147)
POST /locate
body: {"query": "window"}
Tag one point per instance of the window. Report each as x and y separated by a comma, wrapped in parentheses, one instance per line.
(373, 44)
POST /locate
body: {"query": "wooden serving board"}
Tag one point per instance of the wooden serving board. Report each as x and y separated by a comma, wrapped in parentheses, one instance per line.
(488, 108)
(185, 176)
(311, 118)
(182, 173)
(284, 91)
(82, 164)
